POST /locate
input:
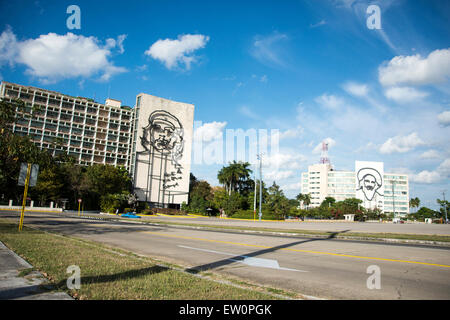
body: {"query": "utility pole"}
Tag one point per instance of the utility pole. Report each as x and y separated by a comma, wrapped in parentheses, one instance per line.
(445, 205)
(254, 200)
(393, 196)
(259, 156)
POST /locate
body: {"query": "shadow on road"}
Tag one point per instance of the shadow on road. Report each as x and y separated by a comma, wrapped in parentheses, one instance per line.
(227, 261)
(70, 225)
(121, 276)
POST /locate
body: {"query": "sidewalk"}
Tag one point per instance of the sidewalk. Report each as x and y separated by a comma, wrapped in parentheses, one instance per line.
(28, 287)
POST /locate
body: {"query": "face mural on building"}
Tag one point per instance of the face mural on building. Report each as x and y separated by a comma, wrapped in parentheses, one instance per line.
(369, 181)
(164, 133)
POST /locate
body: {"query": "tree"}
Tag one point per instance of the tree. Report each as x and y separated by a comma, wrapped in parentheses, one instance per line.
(277, 202)
(445, 206)
(305, 198)
(200, 197)
(424, 213)
(230, 203)
(49, 185)
(235, 176)
(328, 202)
(414, 202)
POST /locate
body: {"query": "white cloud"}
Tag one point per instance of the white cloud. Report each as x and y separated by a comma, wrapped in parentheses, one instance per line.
(442, 173)
(264, 79)
(52, 57)
(8, 47)
(329, 101)
(268, 49)
(425, 177)
(179, 51)
(415, 70)
(401, 144)
(356, 89)
(246, 111)
(429, 154)
(444, 118)
(277, 175)
(292, 186)
(284, 160)
(318, 149)
(291, 133)
(209, 131)
(318, 24)
(404, 94)
(444, 168)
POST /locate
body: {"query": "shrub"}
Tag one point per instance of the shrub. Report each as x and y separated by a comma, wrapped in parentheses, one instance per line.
(147, 211)
(248, 214)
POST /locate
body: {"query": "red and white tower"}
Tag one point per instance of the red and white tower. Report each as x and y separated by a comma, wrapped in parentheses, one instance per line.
(324, 156)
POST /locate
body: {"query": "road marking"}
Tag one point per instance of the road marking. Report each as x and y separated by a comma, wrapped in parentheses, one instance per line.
(298, 250)
(250, 261)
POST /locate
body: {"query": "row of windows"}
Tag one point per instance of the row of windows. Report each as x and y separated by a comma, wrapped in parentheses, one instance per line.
(395, 177)
(341, 174)
(65, 104)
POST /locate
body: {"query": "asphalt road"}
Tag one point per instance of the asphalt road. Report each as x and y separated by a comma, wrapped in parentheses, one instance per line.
(368, 227)
(322, 268)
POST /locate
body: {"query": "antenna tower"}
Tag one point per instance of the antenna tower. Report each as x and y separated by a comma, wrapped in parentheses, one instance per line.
(324, 156)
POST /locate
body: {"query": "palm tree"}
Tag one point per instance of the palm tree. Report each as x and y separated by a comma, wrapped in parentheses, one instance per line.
(300, 197)
(414, 202)
(305, 198)
(234, 176)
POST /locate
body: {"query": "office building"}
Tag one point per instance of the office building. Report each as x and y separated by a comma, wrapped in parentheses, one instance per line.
(369, 183)
(152, 140)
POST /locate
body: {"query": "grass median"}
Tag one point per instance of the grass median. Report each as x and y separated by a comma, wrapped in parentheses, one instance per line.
(108, 273)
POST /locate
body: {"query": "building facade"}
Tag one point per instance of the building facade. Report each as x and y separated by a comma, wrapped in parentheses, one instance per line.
(369, 183)
(161, 150)
(152, 140)
(90, 132)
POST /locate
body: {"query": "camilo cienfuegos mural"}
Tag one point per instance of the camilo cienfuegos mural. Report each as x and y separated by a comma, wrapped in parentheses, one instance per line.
(369, 183)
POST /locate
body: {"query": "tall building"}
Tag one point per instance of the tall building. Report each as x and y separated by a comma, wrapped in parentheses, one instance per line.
(369, 183)
(89, 131)
(161, 150)
(152, 140)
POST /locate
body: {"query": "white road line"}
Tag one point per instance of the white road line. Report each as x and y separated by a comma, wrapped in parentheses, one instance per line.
(250, 261)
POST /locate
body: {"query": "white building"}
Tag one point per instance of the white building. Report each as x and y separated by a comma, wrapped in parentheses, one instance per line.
(161, 150)
(376, 188)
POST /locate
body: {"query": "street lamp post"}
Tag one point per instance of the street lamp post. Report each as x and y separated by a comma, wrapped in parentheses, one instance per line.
(445, 206)
(254, 198)
(259, 156)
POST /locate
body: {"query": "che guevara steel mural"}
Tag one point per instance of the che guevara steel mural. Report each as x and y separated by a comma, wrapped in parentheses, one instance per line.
(164, 135)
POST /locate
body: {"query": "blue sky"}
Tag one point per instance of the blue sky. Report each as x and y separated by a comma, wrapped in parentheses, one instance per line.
(311, 69)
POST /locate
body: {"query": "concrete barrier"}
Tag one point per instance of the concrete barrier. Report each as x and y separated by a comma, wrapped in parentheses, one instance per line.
(32, 209)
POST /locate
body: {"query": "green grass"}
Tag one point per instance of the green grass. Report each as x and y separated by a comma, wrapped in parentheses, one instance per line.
(108, 273)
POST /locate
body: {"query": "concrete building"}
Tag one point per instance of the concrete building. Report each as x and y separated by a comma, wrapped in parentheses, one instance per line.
(161, 150)
(89, 131)
(152, 140)
(369, 183)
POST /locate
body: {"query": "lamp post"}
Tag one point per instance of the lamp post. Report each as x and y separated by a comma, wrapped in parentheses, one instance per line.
(393, 197)
(254, 200)
(259, 156)
(445, 206)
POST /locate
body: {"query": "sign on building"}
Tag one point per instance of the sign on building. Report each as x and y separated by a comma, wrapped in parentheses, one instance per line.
(162, 147)
(369, 183)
